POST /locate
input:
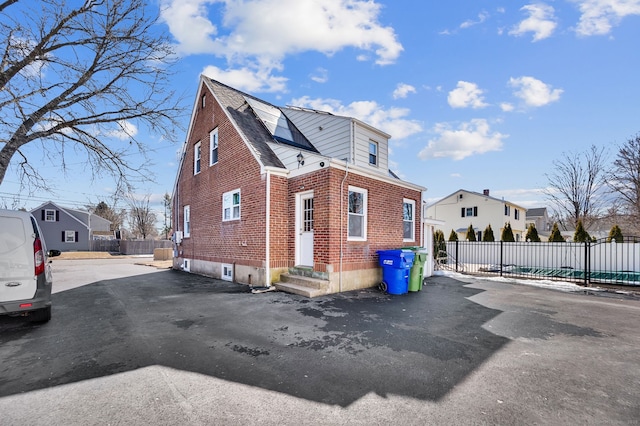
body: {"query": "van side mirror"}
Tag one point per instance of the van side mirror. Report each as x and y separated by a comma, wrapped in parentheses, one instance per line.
(54, 253)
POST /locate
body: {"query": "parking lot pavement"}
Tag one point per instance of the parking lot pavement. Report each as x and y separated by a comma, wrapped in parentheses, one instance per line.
(165, 347)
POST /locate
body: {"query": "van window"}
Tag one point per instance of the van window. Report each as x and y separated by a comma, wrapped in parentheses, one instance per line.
(15, 250)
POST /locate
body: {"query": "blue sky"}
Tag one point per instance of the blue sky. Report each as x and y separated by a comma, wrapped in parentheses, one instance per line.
(476, 94)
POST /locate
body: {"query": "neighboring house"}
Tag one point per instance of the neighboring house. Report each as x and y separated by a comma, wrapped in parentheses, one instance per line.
(68, 229)
(464, 208)
(540, 218)
(266, 193)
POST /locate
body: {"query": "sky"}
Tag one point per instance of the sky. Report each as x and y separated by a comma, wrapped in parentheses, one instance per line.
(476, 94)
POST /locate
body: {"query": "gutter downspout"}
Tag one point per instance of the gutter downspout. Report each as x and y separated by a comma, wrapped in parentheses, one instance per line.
(353, 137)
(267, 268)
(342, 220)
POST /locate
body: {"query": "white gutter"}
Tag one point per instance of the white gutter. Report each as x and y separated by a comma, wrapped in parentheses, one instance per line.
(267, 268)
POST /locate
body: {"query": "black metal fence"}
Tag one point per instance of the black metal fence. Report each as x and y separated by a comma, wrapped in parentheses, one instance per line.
(594, 262)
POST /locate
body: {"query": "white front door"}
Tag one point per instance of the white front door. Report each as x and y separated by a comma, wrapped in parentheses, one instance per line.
(305, 229)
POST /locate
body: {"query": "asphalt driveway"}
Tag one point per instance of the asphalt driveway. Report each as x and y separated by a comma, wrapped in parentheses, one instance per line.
(165, 347)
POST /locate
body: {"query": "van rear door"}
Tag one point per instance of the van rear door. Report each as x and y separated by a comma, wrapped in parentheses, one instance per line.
(17, 269)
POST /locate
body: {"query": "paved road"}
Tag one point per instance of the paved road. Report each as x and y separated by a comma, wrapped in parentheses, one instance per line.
(164, 347)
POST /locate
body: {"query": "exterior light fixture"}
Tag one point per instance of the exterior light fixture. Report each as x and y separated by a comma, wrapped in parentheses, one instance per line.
(300, 158)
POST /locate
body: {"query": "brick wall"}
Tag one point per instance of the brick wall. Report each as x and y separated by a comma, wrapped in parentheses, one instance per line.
(241, 241)
(384, 218)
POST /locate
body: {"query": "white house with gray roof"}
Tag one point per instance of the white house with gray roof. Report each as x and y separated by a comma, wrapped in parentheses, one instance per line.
(464, 208)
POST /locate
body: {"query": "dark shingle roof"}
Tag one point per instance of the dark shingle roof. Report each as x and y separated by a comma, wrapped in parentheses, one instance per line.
(252, 127)
(538, 211)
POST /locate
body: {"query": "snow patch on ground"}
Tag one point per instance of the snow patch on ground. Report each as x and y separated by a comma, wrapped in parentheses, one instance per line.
(548, 284)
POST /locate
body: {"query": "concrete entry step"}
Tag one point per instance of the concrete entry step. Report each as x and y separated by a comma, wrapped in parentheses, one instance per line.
(301, 285)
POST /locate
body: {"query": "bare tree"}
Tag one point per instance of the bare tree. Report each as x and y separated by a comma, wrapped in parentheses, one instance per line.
(624, 180)
(111, 213)
(76, 74)
(167, 227)
(142, 221)
(576, 187)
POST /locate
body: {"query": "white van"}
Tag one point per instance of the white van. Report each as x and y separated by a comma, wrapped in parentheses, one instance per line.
(25, 273)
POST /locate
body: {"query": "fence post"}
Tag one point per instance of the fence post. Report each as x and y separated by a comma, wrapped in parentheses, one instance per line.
(501, 255)
(587, 263)
(457, 255)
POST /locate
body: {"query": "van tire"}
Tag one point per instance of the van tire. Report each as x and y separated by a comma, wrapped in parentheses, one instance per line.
(41, 315)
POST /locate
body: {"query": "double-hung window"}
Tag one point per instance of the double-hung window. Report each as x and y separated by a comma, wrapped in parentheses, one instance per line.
(373, 153)
(231, 205)
(197, 156)
(187, 221)
(49, 215)
(408, 220)
(213, 147)
(357, 226)
(70, 236)
(469, 211)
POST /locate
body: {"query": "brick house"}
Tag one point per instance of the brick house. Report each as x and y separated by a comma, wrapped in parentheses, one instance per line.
(292, 197)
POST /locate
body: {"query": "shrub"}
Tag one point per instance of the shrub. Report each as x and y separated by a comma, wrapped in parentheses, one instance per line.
(507, 233)
(488, 234)
(438, 242)
(471, 234)
(532, 234)
(615, 234)
(581, 235)
(556, 236)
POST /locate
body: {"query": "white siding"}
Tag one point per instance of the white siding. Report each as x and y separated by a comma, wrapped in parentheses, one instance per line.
(489, 211)
(342, 137)
(331, 135)
(364, 135)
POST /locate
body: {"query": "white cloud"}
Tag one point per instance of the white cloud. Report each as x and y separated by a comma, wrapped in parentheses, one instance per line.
(266, 31)
(403, 90)
(466, 95)
(482, 16)
(541, 21)
(249, 80)
(473, 137)
(321, 75)
(506, 107)
(599, 16)
(189, 25)
(125, 130)
(392, 121)
(533, 91)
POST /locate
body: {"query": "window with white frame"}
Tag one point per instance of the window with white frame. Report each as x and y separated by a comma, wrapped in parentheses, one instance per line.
(357, 226)
(213, 147)
(373, 153)
(408, 220)
(227, 272)
(516, 214)
(49, 215)
(231, 205)
(507, 210)
(203, 102)
(197, 156)
(70, 236)
(187, 221)
(469, 211)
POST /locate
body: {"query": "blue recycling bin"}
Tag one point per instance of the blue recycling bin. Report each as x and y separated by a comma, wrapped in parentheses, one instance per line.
(396, 265)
